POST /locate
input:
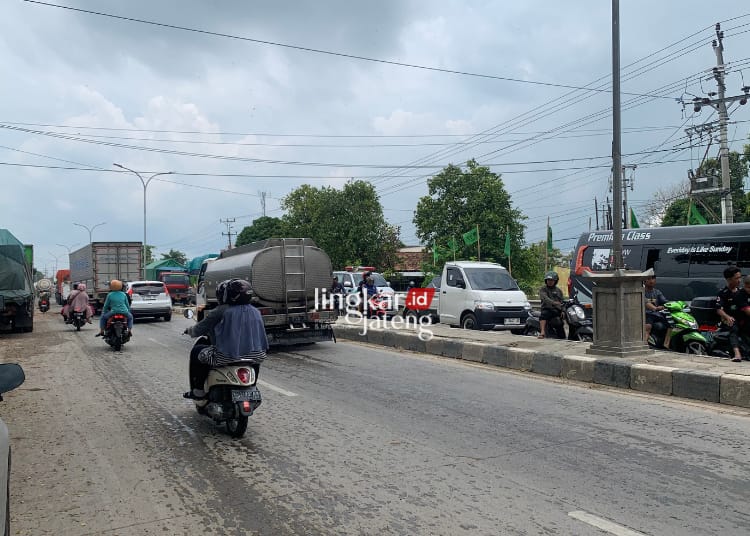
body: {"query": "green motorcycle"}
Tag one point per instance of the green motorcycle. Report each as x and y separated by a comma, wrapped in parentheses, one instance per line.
(685, 336)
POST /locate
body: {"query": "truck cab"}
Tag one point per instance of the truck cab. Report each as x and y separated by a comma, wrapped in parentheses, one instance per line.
(481, 295)
(178, 285)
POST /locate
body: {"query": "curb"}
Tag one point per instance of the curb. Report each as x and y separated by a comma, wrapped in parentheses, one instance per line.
(724, 388)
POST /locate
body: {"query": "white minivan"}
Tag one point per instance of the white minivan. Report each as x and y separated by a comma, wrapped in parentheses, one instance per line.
(481, 295)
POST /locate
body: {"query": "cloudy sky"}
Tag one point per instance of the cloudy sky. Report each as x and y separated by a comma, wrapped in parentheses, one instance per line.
(259, 110)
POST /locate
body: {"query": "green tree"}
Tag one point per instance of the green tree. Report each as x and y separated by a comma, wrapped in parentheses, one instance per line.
(262, 228)
(677, 212)
(149, 254)
(175, 255)
(348, 224)
(458, 200)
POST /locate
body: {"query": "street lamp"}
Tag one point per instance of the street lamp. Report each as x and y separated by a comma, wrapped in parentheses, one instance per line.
(55, 257)
(69, 248)
(90, 229)
(145, 183)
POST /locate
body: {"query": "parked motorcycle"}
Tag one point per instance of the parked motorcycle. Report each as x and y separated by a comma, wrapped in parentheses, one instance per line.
(719, 345)
(580, 328)
(116, 332)
(231, 394)
(685, 337)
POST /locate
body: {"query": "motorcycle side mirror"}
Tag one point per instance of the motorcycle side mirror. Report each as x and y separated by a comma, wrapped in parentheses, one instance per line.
(188, 313)
(11, 376)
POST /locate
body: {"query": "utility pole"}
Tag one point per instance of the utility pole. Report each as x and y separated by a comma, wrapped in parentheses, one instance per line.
(262, 196)
(229, 233)
(596, 211)
(626, 183)
(720, 105)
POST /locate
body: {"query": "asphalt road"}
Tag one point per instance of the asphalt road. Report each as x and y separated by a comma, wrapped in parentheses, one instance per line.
(353, 439)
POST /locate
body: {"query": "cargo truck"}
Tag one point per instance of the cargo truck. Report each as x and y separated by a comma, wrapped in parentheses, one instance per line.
(62, 286)
(97, 263)
(16, 284)
(287, 276)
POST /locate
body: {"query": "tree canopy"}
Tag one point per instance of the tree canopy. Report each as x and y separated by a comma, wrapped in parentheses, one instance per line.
(348, 224)
(175, 255)
(262, 228)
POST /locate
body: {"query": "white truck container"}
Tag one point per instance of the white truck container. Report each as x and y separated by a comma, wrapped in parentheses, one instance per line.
(287, 275)
(481, 295)
(98, 263)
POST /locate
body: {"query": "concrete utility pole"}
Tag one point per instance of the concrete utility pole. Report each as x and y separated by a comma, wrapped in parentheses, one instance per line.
(229, 233)
(720, 105)
(616, 263)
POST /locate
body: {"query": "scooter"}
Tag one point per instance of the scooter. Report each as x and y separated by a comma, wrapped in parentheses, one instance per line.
(116, 332)
(231, 394)
(580, 328)
(44, 303)
(685, 338)
(719, 345)
(78, 319)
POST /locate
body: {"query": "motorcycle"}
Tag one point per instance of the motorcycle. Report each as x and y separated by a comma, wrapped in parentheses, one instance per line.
(685, 338)
(580, 328)
(44, 303)
(231, 394)
(78, 319)
(116, 332)
(719, 345)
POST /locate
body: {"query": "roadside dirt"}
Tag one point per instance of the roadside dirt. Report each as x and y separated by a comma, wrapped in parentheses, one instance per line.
(76, 467)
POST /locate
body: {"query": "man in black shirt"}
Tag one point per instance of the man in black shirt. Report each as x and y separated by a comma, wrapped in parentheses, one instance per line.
(727, 309)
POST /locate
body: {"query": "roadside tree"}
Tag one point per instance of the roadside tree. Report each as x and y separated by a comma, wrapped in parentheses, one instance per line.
(262, 228)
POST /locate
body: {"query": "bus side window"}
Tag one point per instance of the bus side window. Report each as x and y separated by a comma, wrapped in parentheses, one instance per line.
(652, 259)
(710, 258)
(743, 260)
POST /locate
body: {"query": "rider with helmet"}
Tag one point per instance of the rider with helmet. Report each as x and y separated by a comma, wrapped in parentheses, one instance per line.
(116, 303)
(236, 330)
(551, 308)
(79, 302)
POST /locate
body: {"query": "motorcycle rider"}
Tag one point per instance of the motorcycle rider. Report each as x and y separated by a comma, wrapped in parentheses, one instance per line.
(116, 303)
(727, 309)
(80, 302)
(237, 332)
(655, 300)
(551, 308)
(68, 301)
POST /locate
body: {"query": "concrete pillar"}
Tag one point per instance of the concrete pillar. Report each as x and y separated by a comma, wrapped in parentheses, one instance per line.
(619, 313)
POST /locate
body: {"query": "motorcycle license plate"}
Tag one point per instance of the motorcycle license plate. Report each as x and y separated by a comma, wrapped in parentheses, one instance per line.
(245, 394)
(512, 321)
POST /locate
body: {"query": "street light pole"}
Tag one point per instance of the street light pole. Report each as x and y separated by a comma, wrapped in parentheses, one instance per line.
(89, 229)
(145, 183)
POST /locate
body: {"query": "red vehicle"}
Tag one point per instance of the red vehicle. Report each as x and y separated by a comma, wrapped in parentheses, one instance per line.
(178, 285)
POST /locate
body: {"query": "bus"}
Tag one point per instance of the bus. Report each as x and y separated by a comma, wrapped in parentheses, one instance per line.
(688, 261)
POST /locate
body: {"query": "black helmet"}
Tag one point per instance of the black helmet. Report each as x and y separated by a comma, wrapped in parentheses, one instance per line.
(221, 289)
(238, 292)
(552, 275)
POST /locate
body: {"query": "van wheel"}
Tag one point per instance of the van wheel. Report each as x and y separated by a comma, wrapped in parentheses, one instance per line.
(168, 317)
(469, 321)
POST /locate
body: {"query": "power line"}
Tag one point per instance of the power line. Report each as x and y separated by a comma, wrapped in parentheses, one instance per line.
(326, 52)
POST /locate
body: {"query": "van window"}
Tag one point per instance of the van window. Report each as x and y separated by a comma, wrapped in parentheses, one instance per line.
(668, 261)
(600, 258)
(490, 279)
(453, 275)
(710, 258)
(743, 259)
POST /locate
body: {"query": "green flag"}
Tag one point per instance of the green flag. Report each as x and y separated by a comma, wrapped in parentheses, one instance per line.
(452, 245)
(633, 220)
(695, 217)
(549, 239)
(435, 254)
(506, 250)
(471, 237)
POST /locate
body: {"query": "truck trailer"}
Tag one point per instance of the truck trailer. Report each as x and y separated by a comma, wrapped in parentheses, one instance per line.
(286, 274)
(97, 263)
(16, 284)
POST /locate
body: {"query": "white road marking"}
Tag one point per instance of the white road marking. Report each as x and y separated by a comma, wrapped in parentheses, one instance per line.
(159, 343)
(605, 525)
(277, 389)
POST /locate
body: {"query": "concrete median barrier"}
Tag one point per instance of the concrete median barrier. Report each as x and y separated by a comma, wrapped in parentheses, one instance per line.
(473, 351)
(496, 355)
(735, 390)
(696, 384)
(613, 373)
(520, 359)
(651, 378)
(445, 347)
(578, 367)
(547, 364)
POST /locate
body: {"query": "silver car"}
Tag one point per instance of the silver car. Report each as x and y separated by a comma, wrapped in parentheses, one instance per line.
(11, 376)
(149, 298)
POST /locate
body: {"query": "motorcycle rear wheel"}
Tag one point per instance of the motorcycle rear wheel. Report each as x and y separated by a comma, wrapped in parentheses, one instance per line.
(237, 427)
(696, 348)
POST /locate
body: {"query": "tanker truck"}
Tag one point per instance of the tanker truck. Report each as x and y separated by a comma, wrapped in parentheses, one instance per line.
(286, 275)
(16, 285)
